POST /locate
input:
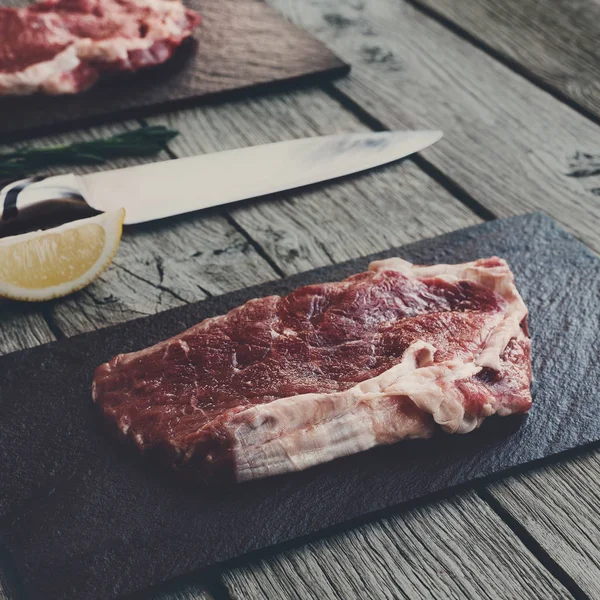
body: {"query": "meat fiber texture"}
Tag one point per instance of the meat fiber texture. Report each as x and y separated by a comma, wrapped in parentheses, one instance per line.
(64, 46)
(284, 383)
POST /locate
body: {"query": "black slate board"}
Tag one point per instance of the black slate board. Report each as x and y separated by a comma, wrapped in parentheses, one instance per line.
(81, 517)
(240, 45)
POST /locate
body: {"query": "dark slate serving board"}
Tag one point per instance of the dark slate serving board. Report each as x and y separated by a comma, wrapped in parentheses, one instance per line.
(241, 44)
(82, 517)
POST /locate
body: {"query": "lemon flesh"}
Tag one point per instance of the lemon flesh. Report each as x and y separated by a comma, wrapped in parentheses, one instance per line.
(48, 264)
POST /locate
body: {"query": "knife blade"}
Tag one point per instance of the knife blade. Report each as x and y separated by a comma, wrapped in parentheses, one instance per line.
(163, 189)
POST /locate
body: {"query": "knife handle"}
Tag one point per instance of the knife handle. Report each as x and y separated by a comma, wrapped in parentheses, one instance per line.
(39, 202)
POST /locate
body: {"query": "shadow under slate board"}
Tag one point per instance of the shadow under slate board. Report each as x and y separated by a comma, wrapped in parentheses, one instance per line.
(83, 517)
(240, 44)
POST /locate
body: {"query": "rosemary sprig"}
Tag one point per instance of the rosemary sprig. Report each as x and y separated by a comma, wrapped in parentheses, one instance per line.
(144, 141)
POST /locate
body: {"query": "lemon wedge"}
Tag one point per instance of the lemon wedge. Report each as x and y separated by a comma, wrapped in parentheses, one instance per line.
(49, 264)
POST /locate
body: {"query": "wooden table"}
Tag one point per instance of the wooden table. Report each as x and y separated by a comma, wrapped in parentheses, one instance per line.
(515, 85)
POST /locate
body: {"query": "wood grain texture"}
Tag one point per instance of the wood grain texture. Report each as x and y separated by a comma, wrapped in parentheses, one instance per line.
(558, 505)
(241, 44)
(22, 326)
(331, 222)
(507, 143)
(555, 41)
(429, 552)
(162, 265)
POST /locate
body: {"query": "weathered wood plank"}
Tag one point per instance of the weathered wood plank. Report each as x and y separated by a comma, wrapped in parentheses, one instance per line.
(557, 42)
(395, 206)
(558, 504)
(22, 326)
(163, 265)
(331, 222)
(507, 143)
(429, 552)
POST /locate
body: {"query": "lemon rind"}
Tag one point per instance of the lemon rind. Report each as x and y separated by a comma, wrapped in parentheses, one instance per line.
(113, 227)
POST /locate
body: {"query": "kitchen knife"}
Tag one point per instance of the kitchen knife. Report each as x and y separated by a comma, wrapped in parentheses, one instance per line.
(172, 187)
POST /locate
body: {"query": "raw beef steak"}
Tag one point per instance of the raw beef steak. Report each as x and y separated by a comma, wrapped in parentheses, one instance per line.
(281, 384)
(63, 46)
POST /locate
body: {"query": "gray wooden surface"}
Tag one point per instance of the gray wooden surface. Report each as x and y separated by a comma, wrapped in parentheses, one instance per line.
(554, 43)
(510, 147)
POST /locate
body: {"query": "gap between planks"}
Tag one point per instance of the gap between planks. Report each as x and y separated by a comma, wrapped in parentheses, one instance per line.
(508, 143)
(509, 62)
(449, 184)
(532, 544)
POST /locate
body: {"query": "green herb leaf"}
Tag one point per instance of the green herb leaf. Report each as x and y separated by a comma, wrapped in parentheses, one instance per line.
(145, 141)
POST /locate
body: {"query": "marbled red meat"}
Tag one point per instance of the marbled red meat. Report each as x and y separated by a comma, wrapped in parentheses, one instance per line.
(280, 384)
(64, 46)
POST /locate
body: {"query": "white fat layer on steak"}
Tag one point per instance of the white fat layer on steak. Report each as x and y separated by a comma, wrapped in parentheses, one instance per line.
(297, 432)
(51, 76)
